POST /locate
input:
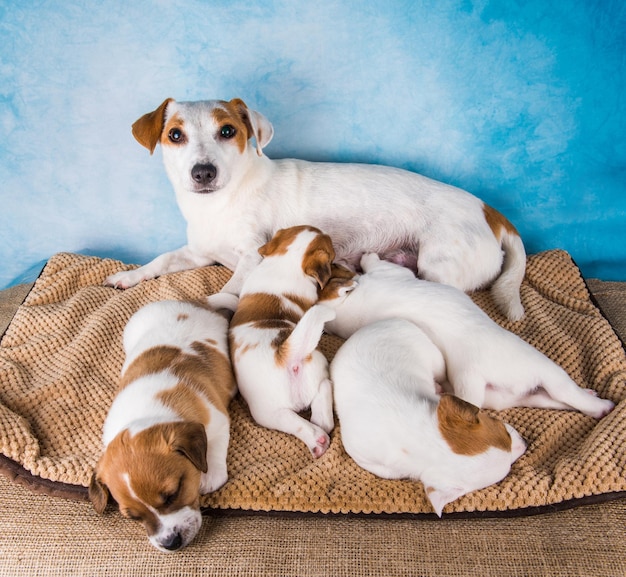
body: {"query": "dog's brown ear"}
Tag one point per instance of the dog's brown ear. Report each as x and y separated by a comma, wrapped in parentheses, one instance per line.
(256, 124)
(318, 265)
(189, 439)
(318, 260)
(452, 408)
(98, 493)
(147, 130)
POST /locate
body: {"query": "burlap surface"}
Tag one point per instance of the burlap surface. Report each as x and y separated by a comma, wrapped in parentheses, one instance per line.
(61, 356)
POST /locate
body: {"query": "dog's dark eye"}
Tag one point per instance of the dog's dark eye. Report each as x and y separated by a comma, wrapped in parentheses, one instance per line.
(176, 135)
(228, 131)
(169, 498)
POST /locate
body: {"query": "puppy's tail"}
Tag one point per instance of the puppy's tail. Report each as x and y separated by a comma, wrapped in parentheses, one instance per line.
(505, 290)
(307, 333)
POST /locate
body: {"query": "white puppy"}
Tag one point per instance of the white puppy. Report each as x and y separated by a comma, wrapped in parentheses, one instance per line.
(167, 432)
(394, 424)
(274, 334)
(234, 198)
(487, 365)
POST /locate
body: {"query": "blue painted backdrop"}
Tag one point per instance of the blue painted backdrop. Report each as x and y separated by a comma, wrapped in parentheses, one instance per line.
(521, 102)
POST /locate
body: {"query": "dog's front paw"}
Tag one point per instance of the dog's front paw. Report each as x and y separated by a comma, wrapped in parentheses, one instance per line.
(125, 279)
(212, 481)
(369, 261)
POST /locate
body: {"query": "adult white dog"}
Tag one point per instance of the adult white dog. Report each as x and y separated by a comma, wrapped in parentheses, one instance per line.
(234, 198)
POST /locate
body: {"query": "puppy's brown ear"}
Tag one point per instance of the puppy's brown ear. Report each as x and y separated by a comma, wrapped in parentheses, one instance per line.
(98, 493)
(454, 409)
(147, 130)
(189, 439)
(318, 259)
(318, 266)
(459, 425)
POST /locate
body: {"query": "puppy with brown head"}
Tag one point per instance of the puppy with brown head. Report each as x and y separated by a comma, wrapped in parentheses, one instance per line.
(274, 334)
(166, 435)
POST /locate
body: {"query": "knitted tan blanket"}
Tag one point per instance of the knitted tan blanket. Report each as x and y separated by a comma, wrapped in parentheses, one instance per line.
(61, 357)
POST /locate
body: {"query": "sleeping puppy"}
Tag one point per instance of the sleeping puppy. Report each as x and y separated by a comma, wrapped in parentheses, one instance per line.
(274, 334)
(166, 434)
(395, 425)
(487, 365)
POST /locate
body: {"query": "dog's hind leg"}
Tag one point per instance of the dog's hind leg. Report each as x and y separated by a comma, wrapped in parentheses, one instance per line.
(322, 406)
(289, 422)
(562, 389)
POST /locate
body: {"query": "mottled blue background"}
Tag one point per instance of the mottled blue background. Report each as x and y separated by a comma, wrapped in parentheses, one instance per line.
(520, 102)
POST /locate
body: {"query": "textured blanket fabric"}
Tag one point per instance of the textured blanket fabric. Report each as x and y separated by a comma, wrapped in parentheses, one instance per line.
(61, 356)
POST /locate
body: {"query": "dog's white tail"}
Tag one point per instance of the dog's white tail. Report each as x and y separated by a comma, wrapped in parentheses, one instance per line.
(506, 288)
(308, 332)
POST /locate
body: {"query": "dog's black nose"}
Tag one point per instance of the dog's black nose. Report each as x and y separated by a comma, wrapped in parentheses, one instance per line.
(203, 173)
(174, 543)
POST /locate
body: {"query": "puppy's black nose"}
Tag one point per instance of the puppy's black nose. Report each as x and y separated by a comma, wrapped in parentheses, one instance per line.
(174, 543)
(203, 173)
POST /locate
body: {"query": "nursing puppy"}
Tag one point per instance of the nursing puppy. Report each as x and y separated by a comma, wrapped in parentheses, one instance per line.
(234, 198)
(395, 425)
(274, 334)
(166, 435)
(487, 365)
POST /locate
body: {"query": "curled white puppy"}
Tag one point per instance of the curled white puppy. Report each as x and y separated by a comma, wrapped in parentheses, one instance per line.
(395, 425)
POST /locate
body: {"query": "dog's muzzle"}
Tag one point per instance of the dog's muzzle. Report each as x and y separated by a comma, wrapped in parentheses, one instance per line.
(203, 175)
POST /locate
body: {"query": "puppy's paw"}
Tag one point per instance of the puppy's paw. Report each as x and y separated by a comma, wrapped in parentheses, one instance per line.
(322, 442)
(602, 407)
(125, 279)
(212, 481)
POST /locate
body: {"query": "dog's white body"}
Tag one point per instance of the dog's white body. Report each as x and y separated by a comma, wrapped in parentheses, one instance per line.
(274, 334)
(395, 425)
(167, 432)
(234, 199)
(486, 365)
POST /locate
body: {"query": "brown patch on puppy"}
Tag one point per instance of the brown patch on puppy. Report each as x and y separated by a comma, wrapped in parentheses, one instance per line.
(498, 222)
(467, 430)
(281, 241)
(147, 130)
(150, 362)
(207, 372)
(301, 302)
(259, 307)
(186, 403)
